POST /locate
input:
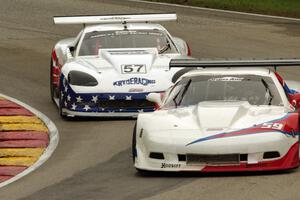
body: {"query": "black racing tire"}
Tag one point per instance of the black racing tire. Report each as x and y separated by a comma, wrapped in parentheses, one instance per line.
(52, 93)
(133, 147)
(53, 90)
(178, 74)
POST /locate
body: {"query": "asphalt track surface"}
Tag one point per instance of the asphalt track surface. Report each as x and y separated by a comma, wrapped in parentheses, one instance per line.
(93, 158)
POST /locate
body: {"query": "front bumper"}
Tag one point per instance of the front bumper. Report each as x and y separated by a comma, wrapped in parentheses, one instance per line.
(289, 161)
(103, 104)
(109, 114)
(251, 154)
(106, 104)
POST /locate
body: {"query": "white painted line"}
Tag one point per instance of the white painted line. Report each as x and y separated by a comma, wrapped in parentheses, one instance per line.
(219, 10)
(53, 142)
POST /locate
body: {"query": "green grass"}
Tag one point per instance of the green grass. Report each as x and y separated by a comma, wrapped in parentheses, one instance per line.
(288, 8)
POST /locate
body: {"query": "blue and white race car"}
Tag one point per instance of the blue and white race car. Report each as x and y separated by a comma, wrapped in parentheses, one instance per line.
(110, 68)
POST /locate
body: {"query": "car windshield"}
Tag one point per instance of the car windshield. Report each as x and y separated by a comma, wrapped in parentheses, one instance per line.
(96, 40)
(257, 90)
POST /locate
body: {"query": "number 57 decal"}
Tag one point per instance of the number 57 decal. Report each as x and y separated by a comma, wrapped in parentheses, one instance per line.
(133, 69)
(277, 126)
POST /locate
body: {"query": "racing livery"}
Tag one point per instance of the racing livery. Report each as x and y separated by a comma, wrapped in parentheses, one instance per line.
(223, 116)
(110, 68)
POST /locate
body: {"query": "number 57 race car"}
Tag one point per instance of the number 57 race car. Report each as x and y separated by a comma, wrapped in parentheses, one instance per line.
(223, 116)
(110, 68)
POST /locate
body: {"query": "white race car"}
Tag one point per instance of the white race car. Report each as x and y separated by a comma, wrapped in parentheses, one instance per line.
(110, 68)
(223, 116)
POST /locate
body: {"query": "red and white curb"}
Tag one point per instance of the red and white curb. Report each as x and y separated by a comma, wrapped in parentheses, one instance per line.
(16, 167)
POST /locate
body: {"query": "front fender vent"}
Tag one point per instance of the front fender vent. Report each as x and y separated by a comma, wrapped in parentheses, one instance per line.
(271, 154)
(156, 155)
(181, 157)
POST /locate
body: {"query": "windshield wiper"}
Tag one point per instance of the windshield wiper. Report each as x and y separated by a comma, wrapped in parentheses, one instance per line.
(268, 90)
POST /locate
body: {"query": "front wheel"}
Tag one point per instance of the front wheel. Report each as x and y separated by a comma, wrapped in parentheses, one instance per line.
(133, 148)
(60, 107)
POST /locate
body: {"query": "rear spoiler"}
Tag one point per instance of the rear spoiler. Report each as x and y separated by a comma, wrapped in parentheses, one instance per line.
(193, 63)
(121, 18)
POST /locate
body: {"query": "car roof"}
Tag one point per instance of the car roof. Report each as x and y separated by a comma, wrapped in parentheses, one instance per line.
(129, 26)
(260, 71)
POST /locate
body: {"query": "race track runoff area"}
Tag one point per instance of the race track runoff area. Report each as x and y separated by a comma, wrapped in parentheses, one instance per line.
(23, 139)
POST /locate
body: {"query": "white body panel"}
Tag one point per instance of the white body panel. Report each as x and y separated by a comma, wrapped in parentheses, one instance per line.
(206, 128)
(106, 68)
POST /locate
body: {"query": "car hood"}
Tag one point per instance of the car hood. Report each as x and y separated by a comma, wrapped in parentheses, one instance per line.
(221, 116)
(213, 117)
(116, 58)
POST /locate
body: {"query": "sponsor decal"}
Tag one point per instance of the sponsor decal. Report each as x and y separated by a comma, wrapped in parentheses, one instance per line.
(133, 69)
(136, 90)
(114, 18)
(227, 79)
(134, 81)
(270, 125)
(170, 165)
(281, 126)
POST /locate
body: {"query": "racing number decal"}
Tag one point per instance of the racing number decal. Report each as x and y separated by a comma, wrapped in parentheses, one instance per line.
(277, 126)
(133, 69)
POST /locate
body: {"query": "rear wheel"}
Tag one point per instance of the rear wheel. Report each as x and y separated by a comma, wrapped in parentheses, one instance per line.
(53, 88)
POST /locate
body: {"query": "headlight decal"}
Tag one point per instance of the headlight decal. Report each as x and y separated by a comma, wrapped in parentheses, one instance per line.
(81, 79)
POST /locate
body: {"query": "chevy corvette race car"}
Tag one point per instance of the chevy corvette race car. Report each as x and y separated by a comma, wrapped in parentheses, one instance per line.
(222, 116)
(110, 68)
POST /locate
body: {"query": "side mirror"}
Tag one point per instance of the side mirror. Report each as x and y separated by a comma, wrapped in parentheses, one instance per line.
(295, 100)
(155, 98)
(72, 49)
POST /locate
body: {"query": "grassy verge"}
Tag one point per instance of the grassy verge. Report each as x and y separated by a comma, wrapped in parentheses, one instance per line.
(287, 8)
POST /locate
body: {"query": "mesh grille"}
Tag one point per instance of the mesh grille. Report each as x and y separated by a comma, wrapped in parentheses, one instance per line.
(198, 159)
(127, 104)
